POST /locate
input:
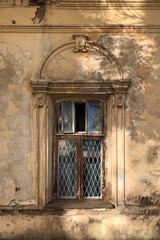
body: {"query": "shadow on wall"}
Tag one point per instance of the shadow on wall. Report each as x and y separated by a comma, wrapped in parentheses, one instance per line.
(139, 53)
(116, 12)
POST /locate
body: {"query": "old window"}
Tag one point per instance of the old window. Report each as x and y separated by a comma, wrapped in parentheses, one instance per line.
(79, 117)
(79, 157)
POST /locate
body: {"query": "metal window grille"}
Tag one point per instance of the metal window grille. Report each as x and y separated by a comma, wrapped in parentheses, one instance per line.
(91, 168)
(67, 168)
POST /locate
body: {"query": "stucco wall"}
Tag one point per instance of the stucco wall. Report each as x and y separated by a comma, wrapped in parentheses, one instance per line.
(116, 224)
(20, 62)
(27, 37)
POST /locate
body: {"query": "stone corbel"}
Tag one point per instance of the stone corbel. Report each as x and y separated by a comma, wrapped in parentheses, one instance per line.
(40, 90)
(41, 100)
(119, 100)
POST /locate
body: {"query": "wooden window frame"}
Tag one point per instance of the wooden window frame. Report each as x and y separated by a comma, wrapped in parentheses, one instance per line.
(73, 117)
(79, 137)
(79, 166)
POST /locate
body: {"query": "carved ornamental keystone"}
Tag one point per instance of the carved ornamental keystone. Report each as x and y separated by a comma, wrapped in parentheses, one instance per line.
(80, 43)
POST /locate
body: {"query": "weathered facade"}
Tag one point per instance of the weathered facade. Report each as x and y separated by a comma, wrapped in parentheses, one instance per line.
(101, 55)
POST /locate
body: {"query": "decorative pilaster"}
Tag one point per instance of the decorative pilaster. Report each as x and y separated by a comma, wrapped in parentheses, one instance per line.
(119, 147)
(41, 130)
(41, 99)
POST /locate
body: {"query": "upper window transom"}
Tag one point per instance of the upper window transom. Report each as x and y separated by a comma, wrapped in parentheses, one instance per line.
(79, 117)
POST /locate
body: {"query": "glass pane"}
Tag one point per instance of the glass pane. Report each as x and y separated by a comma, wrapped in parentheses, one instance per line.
(91, 168)
(60, 117)
(94, 118)
(67, 117)
(67, 168)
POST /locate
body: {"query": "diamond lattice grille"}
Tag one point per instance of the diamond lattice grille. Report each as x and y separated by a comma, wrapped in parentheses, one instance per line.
(67, 168)
(91, 168)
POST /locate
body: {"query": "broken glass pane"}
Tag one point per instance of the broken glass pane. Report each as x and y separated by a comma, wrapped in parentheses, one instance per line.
(67, 168)
(67, 117)
(94, 118)
(91, 168)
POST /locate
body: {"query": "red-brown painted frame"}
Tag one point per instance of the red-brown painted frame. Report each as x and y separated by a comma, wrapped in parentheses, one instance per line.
(79, 165)
(79, 137)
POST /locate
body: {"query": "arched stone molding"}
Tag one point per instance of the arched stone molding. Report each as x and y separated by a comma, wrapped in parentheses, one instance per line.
(55, 52)
(82, 44)
(113, 91)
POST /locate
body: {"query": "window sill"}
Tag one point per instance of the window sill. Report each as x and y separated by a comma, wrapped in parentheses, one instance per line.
(79, 204)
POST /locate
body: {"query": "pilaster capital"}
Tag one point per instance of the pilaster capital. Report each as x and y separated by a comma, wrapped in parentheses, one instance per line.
(41, 100)
(40, 90)
(119, 100)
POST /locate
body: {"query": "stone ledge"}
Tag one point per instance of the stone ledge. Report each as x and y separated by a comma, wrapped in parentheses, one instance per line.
(121, 210)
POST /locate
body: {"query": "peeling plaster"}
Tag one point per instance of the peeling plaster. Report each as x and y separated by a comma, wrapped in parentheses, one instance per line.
(152, 154)
(139, 54)
(39, 15)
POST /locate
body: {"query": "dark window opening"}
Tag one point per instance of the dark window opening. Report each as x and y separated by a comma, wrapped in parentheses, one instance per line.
(80, 117)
